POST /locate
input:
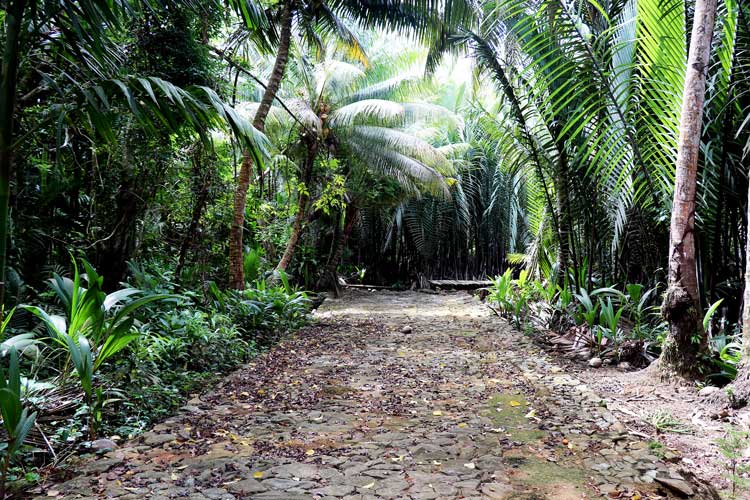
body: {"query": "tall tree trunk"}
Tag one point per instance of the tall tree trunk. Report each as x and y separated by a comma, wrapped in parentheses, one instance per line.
(236, 269)
(201, 190)
(681, 308)
(13, 28)
(329, 278)
(303, 198)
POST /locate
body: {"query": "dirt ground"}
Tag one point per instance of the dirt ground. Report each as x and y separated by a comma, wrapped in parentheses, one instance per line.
(635, 396)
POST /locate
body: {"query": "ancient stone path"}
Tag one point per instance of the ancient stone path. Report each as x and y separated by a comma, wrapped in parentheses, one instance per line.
(356, 406)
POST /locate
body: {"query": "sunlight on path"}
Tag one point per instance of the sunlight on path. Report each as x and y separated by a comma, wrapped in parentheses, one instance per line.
(389, 396)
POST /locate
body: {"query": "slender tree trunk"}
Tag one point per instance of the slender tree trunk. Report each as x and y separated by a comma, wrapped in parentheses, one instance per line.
(13, 28)
(303, 197)
(201, 191)
(681, 308)
(236, 269)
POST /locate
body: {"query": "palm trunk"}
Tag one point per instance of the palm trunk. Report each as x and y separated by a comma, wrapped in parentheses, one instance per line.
(236, 269)
(302, 200)
(13, 27)
(681, 308)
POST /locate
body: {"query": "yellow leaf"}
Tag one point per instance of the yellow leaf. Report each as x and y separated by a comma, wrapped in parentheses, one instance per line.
(463, 424)
(258, 475)
(531, 414)
(369, 485)
(515, 403)
(437, 413)
(261, 392)
(310, 452)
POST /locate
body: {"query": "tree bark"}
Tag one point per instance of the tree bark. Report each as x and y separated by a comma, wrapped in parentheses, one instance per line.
(8, 81)
(302, 199)
(236, 268)
(681, 307)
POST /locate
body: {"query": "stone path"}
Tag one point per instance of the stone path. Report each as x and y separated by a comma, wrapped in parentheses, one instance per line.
(390, 396)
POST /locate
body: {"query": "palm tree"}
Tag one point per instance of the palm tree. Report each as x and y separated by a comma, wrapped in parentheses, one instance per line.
(582, 89)
(352, 116)
(314, 21)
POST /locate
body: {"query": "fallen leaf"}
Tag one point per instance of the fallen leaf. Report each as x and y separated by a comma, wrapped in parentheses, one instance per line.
(53, 493)
(437, 413)
(515, 403)
(369, 485)
(470, 465)
(258, 475)
(463, 424)
(310, 452)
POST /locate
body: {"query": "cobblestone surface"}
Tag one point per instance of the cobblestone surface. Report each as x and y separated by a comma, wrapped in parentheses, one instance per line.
(390, 396)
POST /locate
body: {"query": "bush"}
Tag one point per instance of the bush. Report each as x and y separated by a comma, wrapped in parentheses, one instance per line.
(116, 362)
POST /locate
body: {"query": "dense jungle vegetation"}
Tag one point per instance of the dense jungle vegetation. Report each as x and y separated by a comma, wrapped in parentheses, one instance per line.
(177, 177)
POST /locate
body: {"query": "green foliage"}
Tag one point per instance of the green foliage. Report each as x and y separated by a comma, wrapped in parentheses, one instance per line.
(609, 323)
(96, 327)
(664, 421)
(252, 263)
(734, 447)
(501, 291)
(589, 309)
(514, 296)
(17, 418)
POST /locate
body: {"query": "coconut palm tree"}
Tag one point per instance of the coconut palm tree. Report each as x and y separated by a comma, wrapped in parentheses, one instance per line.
(316, 21)
(351, 117)
(603, 89)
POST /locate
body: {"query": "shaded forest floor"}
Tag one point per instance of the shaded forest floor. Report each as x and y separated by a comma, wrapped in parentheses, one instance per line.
(391, 395)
